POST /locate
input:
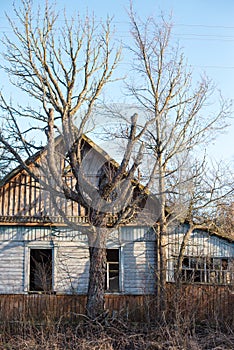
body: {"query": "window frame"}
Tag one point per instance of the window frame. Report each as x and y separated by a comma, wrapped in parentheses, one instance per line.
(120, 270)
(40, 270)
(207, 270)
(39, 246)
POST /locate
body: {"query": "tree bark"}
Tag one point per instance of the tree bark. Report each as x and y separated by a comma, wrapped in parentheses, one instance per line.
(97, 272)
(162, 271)
(183, 246)
(162, 234)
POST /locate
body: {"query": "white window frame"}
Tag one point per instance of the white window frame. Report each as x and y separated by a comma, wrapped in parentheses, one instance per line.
(39, 245)
(121, 279)
(220, 275)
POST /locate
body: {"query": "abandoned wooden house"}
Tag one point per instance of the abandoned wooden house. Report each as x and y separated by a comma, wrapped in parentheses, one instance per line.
(40, 253)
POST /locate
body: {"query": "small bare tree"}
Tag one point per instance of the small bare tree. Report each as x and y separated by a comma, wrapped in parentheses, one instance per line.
(224, 219)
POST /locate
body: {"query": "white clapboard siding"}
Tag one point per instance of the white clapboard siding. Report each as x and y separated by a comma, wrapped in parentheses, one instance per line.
(71, 256)
(11, 267)
(72, 268)
(136, 233)
(201, 243)
(138, 265)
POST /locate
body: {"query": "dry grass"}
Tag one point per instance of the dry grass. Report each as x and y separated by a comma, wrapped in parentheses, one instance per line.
(113, 334)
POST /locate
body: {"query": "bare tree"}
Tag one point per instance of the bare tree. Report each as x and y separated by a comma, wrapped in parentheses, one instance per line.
(178, 124)
(65, 69)
(224, 219)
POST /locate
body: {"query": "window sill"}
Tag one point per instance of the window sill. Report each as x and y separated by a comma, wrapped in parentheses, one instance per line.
(42, 293)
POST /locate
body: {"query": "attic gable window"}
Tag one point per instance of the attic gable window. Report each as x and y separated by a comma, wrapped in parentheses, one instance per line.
(112, 270)
(40, 274)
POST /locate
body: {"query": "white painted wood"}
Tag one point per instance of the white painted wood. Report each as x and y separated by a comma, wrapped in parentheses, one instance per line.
(138, 267)
(71, 256)
(11, 267)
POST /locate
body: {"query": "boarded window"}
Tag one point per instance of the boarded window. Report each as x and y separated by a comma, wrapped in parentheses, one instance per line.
(112, 270)
(40, 279)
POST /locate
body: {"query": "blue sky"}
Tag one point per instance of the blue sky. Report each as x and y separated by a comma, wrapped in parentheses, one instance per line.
(204, 28)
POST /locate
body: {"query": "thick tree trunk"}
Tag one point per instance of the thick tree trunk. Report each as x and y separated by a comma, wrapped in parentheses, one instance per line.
(97, 271)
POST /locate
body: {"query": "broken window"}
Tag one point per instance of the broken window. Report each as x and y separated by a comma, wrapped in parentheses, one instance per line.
(193, 269)
(112, 270)
(207, 270)
(40, 278)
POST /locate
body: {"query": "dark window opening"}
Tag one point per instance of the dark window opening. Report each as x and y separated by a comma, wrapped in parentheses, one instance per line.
(40, 278)
(112, 270)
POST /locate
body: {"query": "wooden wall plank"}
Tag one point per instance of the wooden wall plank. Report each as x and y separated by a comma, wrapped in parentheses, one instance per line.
(23, 197)
(131, 308)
